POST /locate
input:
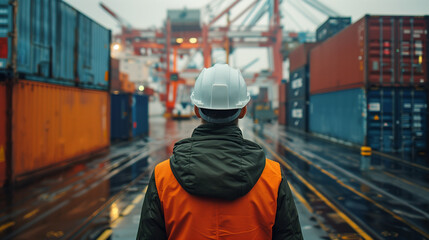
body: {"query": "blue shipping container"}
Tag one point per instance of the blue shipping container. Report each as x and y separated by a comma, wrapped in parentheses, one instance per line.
(298, 87)
(392, 120)
(129, 116)
(140, 114)
(50, 46)
(340, 115)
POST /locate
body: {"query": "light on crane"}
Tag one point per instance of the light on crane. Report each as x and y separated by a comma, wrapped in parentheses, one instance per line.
(116, 46)
(179, 40)
(193, 40)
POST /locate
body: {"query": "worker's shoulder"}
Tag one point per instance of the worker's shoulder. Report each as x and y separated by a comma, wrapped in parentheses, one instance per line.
(273, 167)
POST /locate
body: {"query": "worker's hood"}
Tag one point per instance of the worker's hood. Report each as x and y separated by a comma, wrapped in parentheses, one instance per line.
(217, 162)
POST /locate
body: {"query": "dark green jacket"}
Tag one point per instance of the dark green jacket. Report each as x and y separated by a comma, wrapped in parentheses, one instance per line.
(218, 162)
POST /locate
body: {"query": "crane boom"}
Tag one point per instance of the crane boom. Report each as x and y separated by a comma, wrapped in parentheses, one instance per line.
(122, 22)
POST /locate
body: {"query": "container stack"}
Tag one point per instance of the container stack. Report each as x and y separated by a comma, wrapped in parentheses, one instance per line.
(129, 114)
(282, 103)
(54, 99)
(369, 85)
(297, 87)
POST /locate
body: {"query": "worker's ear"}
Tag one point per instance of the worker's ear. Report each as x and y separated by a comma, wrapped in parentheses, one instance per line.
(197, 112)
(242, 113)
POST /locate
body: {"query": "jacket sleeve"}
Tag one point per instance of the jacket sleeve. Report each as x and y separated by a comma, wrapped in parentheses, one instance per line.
(152, 225)
(287, 224)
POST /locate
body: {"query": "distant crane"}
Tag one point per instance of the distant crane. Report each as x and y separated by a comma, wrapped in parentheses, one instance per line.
(125, 25)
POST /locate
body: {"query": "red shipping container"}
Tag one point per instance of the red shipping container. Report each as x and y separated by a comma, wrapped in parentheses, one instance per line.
(282, 114)
(282, 93)
(300, 55)
(384, 51)
(2, 133)
(115, 84)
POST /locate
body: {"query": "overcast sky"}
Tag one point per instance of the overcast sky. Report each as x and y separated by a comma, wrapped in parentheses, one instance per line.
(152, 13)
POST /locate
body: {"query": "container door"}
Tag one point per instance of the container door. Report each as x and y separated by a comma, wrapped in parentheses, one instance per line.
(120, 116)
(3, 117)
(412, 47)
(413, 121)
(298, 84)
(381, 57)
(381, 119)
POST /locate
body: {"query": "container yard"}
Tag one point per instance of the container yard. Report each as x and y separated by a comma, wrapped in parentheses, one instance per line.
(216, 119)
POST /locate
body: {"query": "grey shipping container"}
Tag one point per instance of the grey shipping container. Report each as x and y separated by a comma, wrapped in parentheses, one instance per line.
(55, 43)
(392, 120)
(331, 27)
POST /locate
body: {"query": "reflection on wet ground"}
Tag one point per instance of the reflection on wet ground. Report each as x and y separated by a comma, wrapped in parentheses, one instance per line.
(102, 198)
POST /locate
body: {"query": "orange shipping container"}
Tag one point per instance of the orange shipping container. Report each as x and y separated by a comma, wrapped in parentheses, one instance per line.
(2, 133)
(53, 124)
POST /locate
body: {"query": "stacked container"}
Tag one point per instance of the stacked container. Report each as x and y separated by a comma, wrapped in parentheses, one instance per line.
(120, 82)
(331, 27)
(129, 116)
(282, 103)
(54, 65)
(369, 84)
(297, 95)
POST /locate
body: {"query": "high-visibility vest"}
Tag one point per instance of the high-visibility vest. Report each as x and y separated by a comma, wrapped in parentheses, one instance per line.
(251, 216)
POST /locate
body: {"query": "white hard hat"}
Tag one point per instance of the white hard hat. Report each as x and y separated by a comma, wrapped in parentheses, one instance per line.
(220, 88)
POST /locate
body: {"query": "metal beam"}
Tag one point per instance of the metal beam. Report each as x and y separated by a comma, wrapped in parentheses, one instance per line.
(322, 8)
(310, 17)
(243, 12)
(223, 12)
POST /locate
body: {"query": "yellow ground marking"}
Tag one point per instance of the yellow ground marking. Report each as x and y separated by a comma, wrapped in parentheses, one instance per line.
(127, 210)
(405, 181)
(6, 226)
(105, 235)
(319, 194)
(301, 198)
(138, 199)
(116, 222)
(32, 213)
(351, 189)
(145, 190)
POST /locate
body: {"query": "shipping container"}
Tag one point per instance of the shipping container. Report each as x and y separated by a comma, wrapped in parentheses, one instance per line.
(298, 84)
(53, 124)
(115, 83)
(297, 114)
(387, 51)
(54, 43)
(331, 27)
(282, 92)
(282, 114)
(300, 56)
(93, 54)
(129, 116)
(3, 135)
(392, 120)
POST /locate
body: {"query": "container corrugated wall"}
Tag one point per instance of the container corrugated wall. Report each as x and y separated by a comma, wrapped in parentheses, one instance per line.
(2, 133)
(53, 124)
(339, 115)
(140, 106)
(94, 54)
(282, 103)
(120, 116)
(129, 116)
(55, 44)
(299, 57)
(397, 120)
(387, 51)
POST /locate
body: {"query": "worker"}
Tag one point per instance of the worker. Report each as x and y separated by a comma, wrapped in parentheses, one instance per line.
(218, 185)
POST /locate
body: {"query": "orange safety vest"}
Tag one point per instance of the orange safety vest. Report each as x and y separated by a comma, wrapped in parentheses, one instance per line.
(251, 216)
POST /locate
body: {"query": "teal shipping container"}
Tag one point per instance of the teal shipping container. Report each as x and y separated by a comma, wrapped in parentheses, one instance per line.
(391, 120)
(55, 43)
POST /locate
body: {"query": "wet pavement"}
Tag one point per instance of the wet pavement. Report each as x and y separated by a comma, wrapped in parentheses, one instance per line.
(102, 198)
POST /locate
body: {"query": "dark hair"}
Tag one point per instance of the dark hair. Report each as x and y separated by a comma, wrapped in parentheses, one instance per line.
(219, 114)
